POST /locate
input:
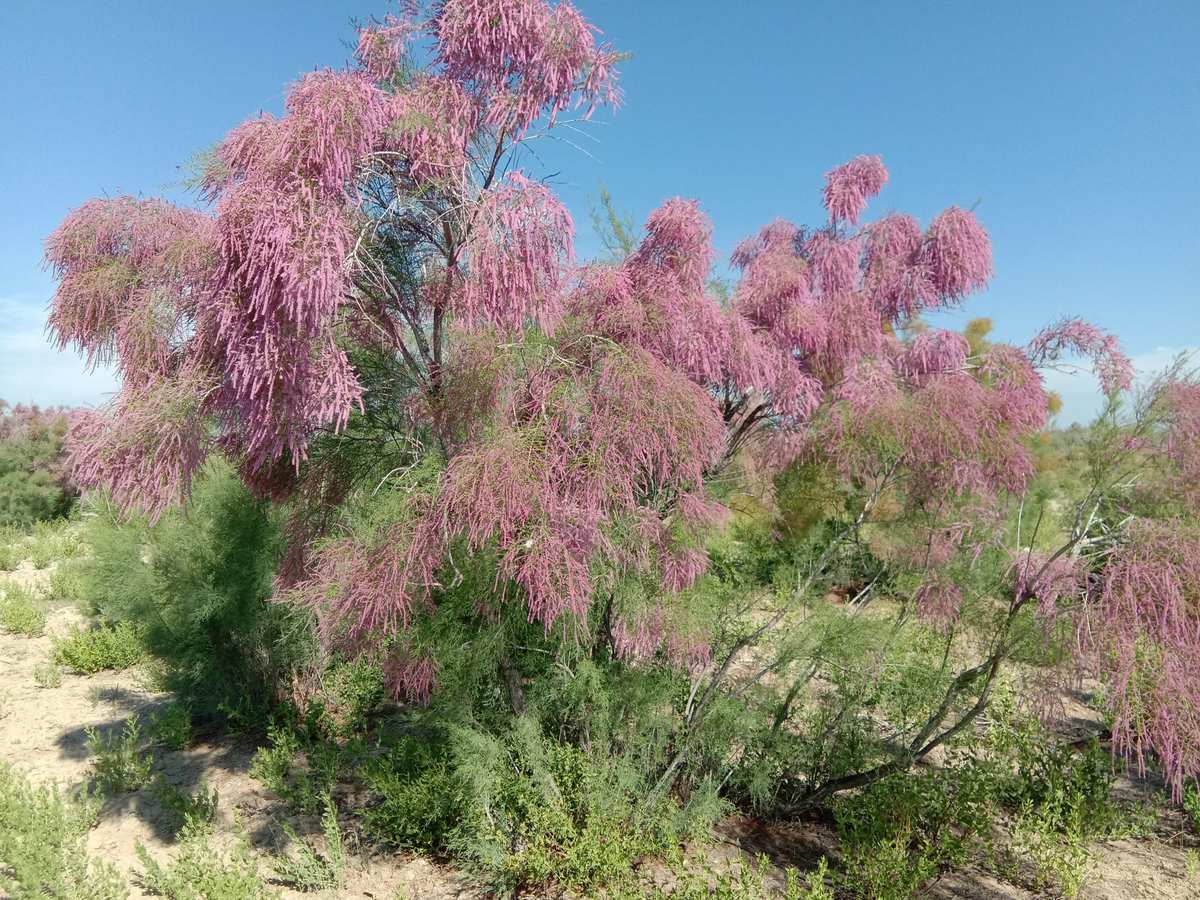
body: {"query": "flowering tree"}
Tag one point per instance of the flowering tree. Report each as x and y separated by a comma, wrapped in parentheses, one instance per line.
(376, 299)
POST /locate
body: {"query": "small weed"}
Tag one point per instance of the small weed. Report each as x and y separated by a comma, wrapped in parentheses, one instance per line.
(10, 557)
(199, 870)
(1060, 859)
(298, 773)
(42, 554)
(93, 650)
(47, 675)
(42, 844)
(198, 810)
(1191, 805)
(65, 584)
(172, 726)
(307, 870)
(21, 613)
(119, 764)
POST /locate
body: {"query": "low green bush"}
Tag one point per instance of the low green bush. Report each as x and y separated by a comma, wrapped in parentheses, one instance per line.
(43, 845)
(198, 588)
(303, 867)
(120, 762)
(200, 871)
(47, 675)
(21, 611)
(91, 650)
(172, 725)
(196, 810)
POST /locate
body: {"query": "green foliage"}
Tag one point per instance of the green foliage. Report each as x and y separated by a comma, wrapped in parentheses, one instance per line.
(198, 586)
(299, 765)
(32, 483)
(47, 675)
(65, 583)
(1191, 805)
(10, 555)
(119, 762)
(698, 880)
(20, 611)
(172, 725)
(303, 867)
(617, 230)
(91, 650)
(902, 831)
(200, 871)
(42, 845)
(524, 808)
(1050, 841)
(420, 801)
(351, 695)
(198, 810)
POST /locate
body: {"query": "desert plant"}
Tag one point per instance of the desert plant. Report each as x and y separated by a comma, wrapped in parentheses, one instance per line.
(91, 650)
(195, 810)
(21, 611)
(42, 844)
(35, 480)
(304, 868)
(197, 587)
(499, 482)
(120, 763)
(200, 871)
(47, 675)
(172, 725)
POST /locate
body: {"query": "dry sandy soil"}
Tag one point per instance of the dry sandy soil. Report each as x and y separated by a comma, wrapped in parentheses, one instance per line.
(42, 734)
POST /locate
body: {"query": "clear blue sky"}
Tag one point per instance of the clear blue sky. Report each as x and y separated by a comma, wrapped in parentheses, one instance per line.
(1075, 125)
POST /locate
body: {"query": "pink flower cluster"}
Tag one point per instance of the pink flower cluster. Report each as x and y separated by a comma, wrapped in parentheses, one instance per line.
(525, 58)
(1142, 634)
(520, 253)
(1074, 336)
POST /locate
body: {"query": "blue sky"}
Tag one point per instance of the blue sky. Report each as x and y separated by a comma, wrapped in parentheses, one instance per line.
(1075, 126)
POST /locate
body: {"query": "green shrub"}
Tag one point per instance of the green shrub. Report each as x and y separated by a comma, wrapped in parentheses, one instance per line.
(199, 871)
(47, 675)
(119, 762)
(1056, 856)
(1191, 805)
(198, 810)
(304, 868)
(697, 880)
(419, 801)
(10, 555)
(900, 832)
(198, 586)
(172, 725)
(20, 612)
(42, 553)
(352, 693)
(42, 845)
(65, 583)
(300, 764)
(92, 650)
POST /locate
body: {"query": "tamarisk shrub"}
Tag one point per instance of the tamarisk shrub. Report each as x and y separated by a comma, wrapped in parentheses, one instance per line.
(380, 322)
(36, 481)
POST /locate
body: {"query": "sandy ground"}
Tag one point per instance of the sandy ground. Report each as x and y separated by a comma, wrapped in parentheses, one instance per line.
(42, 734)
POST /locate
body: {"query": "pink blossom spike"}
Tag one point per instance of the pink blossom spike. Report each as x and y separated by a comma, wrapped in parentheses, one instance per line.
(849, 186)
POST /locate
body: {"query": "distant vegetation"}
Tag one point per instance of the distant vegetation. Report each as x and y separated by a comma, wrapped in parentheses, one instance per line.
(35, 478)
